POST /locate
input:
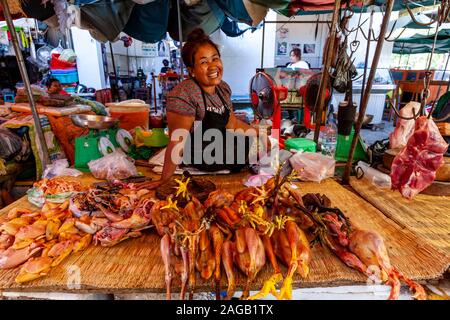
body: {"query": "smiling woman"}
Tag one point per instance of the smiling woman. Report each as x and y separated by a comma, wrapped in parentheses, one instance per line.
(201, 107)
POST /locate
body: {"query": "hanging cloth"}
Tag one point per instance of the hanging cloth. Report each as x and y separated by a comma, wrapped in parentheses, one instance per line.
(148, 22)
(105, 19)
(256, 11)
(235, 10)
(273, 4)
(35, 9)
(234, 29)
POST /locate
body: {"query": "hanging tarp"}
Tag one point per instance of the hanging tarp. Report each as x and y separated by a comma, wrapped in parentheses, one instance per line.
(234, 29)
(37, 10)
(412, 4)
(205, 14)
(414, 48)
(149, 22)
(14, 15)
(307, 7)
(104, 19)
(235, 10)
(443, 37)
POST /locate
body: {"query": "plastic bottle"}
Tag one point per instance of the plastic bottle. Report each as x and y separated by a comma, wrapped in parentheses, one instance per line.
(377, 178)
(329, 139)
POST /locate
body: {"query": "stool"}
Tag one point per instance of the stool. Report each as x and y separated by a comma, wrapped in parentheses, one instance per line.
(8, 97)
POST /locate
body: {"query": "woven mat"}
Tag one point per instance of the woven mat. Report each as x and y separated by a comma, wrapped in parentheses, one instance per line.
(136, 265)
(426, 216)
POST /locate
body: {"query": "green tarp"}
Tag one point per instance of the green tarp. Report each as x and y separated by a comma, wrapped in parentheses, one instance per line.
(413, 48)
(398, 5)
(442, 37)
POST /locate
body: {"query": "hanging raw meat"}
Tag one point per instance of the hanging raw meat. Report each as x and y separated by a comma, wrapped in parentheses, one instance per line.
(414, 168)
(404, 128)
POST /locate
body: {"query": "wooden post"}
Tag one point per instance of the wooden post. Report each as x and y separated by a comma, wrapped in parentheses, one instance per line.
(365, 100)
(325, 76)
(115, 87)
(262, 44)
(180, 36)
(26, 81)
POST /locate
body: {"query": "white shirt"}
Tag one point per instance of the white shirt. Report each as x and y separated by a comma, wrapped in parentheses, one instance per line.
(299, 65)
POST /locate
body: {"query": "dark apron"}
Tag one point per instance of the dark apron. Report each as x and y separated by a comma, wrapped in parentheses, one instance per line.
(214, 120)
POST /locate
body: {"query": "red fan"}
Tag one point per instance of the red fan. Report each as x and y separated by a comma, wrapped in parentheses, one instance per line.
(266, 97)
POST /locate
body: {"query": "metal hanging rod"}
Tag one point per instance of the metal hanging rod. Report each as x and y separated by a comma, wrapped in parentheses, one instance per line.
(366, 93)
(23, 72)
(300, 22)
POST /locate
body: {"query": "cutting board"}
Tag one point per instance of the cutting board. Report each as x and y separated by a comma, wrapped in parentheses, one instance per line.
(444, 128)
(57, 112)
(438, 188)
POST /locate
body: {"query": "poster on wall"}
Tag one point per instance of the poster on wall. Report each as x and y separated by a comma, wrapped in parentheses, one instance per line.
(282, 33)
(309, 49)
(149, 50)
(281, 48)
(295, 45)
(162, 50)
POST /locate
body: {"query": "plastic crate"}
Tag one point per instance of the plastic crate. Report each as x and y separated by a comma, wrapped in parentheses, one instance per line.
(66, 77)
(69, 89)
(63, 71)
(55, 63)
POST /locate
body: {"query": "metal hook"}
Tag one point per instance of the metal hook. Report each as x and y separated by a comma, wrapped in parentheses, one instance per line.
(373, 35)
(354, 45)
(398, 37)
(414, 117)
(357, 78)
(330, 74)
(364, 35)
(442, 14)
(392, 30)
(355, 28)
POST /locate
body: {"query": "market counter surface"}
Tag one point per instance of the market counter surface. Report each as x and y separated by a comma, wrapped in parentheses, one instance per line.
(135, 265)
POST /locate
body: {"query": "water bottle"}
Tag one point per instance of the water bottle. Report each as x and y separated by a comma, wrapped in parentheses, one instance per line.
(329, 139)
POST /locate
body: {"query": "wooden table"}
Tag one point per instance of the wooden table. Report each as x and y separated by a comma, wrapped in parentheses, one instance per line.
(135, 266)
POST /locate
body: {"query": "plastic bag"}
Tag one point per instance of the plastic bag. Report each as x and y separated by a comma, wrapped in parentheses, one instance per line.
(113, 166)
(313, 166)
(60, 168)
(37, 197)
(68, 55)
(377, 178)
(10, 144)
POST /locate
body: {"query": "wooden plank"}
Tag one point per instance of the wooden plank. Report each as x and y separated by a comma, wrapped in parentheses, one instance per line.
(136, 266)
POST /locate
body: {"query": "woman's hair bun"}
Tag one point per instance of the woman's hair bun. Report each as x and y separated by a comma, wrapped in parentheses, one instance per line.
(197, 35)
(195, 39)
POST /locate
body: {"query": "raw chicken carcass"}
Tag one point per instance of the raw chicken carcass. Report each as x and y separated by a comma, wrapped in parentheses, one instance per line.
(404, 128)
(414, 168)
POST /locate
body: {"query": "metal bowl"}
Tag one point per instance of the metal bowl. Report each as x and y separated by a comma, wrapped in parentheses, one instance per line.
(93, 122)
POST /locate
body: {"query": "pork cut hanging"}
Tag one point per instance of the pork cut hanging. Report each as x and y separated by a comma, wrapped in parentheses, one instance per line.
(404, 128)
(414, 168)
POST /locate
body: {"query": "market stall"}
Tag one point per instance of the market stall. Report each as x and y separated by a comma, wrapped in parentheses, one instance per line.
(136, 265)
(224, 233)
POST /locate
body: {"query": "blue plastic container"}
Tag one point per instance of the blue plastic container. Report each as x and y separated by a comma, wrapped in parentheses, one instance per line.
(65, 78)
